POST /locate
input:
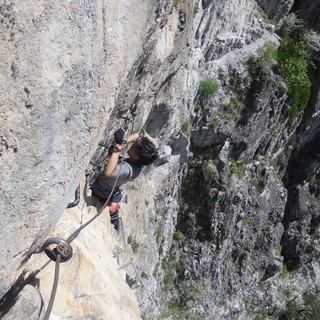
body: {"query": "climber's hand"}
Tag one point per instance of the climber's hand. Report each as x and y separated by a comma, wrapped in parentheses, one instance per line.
(119, 135)
(133, 137)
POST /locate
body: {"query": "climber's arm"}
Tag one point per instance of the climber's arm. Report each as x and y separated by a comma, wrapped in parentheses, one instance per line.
(110, 168)
(133, 137)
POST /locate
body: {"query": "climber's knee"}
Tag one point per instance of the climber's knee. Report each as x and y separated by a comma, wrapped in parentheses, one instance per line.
(113, 207)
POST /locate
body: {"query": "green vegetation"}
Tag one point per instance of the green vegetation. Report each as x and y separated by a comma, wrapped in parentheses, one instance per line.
(143, 131)
(261, 66)
(197, 107)
(290, 23)
(298, 48)
(209, 86)
(235, 169)
(284, 272)
(312, 41)
(310, 310)
(235, 82)
(265, 17)
(178, 235)
(181, 264)
(232, 111)
(260, 183)
(234, 104)
(186, 128)
(314, 180)
(293, 62)
(268, 58)
(277, 250)
(312, 306)
(159, 233)
(291, 310)
(262, 315)
(185, 292)
(176, 310)
(209, 171)
(135, 246)
(214, 123)
(247, 221)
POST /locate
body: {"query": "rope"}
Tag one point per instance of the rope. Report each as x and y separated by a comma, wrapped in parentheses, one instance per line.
(54, 288)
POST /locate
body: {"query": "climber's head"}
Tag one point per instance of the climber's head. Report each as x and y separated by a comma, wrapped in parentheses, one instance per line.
(143, 151)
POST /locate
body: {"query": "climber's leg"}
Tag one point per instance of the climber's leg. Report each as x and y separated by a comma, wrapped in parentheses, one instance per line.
(114, 214)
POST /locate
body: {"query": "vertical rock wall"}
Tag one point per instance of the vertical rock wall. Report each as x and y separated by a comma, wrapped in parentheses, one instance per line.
(61, 67)
(206, 235)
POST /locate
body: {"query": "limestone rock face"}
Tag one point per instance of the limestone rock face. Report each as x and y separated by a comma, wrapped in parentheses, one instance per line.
(308, 11)
(213, 229)
(28, 305)
(277, 9)
(61, 67)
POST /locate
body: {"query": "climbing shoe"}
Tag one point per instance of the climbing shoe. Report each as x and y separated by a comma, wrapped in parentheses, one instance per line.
(115, 220)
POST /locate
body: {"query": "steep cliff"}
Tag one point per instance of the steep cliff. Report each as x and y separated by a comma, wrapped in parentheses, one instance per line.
(225, 224)
(249, 202)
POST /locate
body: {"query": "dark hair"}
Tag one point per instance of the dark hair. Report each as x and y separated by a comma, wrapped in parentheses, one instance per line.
(146, 151)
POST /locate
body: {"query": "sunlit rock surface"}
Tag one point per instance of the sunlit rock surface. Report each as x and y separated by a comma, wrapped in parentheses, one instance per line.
(225, 224)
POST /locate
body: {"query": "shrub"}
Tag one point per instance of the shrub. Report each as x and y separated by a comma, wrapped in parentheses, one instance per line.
(214, 123)
(291, 311)
(293, 62)
(176, 311)
(234, 104)
(268, 57)
(135, 246)
(314, 180)
(178, 235)
(262, 315)
(297, 49)
(186, 128)
(209, 86)
(285, 273)
(312, 306)
(197, 107)
(235, 169)
(143, 131)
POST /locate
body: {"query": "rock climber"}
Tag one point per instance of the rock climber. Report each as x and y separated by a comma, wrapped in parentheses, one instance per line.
(117, 171)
